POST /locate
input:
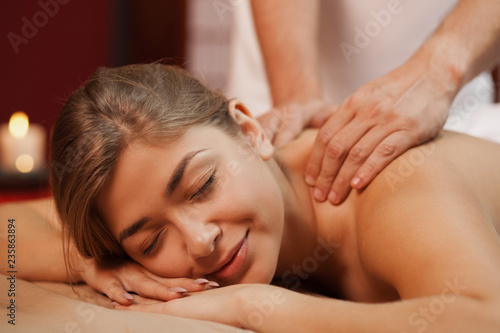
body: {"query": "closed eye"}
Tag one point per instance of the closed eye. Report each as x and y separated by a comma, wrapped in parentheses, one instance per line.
(151, 247)
(204, 191)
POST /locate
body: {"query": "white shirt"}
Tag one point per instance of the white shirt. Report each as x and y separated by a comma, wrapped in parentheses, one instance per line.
(360, 40)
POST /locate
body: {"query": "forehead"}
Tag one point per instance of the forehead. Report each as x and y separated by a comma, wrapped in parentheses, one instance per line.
(143, 171)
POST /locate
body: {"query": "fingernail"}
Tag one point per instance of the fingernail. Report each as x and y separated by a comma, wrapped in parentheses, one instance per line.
(309, 180)
(318, 195)
(200, 281)
(178, 290)
(212, 284)
(355, 181)
(128, 296)
(114, 303)
(332, 197)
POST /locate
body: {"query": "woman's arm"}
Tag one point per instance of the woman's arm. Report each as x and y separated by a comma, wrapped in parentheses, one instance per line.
(266, 308)
(38, 241)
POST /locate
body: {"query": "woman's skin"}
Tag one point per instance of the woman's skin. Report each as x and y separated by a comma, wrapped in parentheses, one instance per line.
(417, 250)
(424, 232)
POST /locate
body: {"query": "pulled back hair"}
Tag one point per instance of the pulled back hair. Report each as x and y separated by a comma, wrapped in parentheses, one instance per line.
(153, 103)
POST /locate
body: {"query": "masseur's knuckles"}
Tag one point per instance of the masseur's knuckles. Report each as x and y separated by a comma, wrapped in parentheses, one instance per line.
(371, 128)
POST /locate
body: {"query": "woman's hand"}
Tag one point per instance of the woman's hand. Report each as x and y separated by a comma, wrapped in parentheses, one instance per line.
(117, 282)
(244, 305)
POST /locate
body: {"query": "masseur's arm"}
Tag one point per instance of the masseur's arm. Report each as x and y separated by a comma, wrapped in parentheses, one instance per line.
(39, 257)
(390, 114)
(288, 35)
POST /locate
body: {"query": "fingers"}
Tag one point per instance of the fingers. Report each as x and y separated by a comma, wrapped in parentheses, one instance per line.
(149, 288)
(366, 146)
(205, 306)
(385, 152)
(363, 164)
(131, 277)
(151, 308)
(283, 123)
(189, 284)
(270, 123)
(286, 134)
(166, 288)
(115, 291)
(318, 119)
(332, 144)
(145, 300)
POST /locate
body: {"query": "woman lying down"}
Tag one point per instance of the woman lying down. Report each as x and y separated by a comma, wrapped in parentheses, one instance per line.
(153, 169)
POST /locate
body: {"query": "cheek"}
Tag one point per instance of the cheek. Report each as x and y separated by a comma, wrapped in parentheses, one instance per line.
(262, 195)
(167, 263)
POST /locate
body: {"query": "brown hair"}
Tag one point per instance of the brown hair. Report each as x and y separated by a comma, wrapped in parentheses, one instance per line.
(154, 103)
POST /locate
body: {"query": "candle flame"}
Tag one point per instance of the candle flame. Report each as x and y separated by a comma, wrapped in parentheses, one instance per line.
(19, 124)
(24, 163)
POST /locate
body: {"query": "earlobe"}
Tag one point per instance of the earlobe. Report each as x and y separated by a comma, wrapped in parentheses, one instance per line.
(251, 129)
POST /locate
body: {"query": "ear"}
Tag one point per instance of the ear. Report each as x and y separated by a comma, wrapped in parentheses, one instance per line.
(251, 129)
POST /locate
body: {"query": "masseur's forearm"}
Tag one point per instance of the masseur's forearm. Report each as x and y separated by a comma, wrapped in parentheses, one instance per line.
(294, 312)
(288, 31)
(38, 242)
(466, 44)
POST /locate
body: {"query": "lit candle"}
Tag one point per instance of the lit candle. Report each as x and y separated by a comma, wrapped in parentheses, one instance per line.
(22, 145)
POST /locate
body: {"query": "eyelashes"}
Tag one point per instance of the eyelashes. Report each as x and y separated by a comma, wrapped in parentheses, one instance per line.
(151, 247)
(201, 194)
(206, 189)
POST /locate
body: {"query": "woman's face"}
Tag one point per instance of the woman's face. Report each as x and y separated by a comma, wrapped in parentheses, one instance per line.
(205, 205)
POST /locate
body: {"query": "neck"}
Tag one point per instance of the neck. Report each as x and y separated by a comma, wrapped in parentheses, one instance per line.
(310, 239)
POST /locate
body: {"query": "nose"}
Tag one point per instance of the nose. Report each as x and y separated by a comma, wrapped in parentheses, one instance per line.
(201, 238)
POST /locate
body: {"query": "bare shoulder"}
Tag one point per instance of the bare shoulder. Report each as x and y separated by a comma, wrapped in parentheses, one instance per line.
(426, 220)
(451, 162)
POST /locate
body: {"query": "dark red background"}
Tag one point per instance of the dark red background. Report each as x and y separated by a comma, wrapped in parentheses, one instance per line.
(82, 36)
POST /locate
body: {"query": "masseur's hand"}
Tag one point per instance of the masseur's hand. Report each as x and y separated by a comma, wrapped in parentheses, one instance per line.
(283, 123)
(117, 282)
(373, 126)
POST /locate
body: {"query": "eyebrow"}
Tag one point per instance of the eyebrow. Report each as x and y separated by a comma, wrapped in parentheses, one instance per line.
(179, 172)
(134, 228)
(171, 187)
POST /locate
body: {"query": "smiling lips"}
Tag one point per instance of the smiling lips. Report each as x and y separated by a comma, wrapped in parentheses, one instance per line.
(236, 261)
